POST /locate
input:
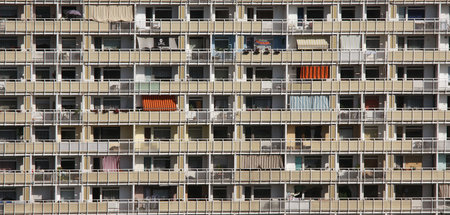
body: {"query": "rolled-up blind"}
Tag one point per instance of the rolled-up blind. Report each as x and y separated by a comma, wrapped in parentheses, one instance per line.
(110, 13)
(261, 162)
(312, 43)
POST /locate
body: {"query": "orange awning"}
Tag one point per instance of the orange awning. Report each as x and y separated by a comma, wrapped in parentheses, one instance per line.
(159, 103)
(313, 72)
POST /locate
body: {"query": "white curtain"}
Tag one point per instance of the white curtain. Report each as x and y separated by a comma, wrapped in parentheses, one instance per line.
(145, 42)
(350, 41)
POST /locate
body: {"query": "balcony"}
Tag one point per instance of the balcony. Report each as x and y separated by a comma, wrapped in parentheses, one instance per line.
(197, 87)
(429, 25)
(219, 206)
(326, 56)
(225, 146)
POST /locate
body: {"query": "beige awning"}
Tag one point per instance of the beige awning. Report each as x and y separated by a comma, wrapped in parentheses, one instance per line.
(311, 43)
(110, 13)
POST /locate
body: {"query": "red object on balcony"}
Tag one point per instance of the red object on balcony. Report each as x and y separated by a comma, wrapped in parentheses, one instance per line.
(313, 72)
(371, 102)
(159, 103)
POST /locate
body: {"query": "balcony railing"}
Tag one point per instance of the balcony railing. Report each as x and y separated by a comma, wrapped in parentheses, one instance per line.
(224, 146)
(276, 204)
(269, 26)
(270, 56)
(224, 176)
(170, 87)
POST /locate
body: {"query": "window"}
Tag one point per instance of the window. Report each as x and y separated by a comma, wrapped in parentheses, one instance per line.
(372, 72)
(250, 14)
(43, 12)
(43, 42)
(314, 13)
(156, 163)
(261, 193)
(264, 13)
(8, 73)
(221, 102)
(67, 194)
(67, 163)
(373, 13)
(372, 42)
(197, 43)
(346, 102)
(195, 132)
(161, 133)
(69, 43)
(9, 43)
(195, 162)
(415, 73)
(412, 132)
(219, 192)
(222, 13)
(162, 73)
(345, 161)
(347, 72)
(221, 73)
(196, 13)
(263, 74)
(222, 43)
(258, 132)
(163, 13)
(41, 163)
(161, 163)
(196, 73)
(415, 12)
(8, 164)
(110, 193)
(348, 13)
(371, 132)
(8, 103)
(42, 73)
(10, 133)
(258, 102)
(106, 133)
(69, 103)
(416, 42)
(42, 133)
(8, 11)
(111, 73)
(345, 132)
(222, 132)
(149, 13)
(42, 103)
(195, 103)
(68, 133)
(110, 43)
(68, 73)
(111, 103)
(313, 162)
(410, 42)
(7, 194)
(447, 160)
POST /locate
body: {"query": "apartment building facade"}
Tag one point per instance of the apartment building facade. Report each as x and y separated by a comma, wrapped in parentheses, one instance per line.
(224, 107)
